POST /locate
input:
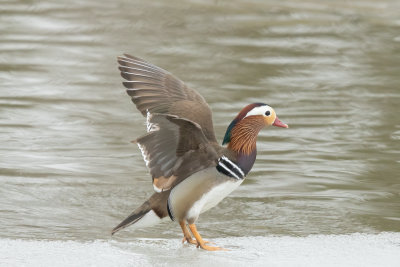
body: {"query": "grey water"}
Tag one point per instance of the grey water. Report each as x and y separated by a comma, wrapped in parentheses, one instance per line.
(331, 70)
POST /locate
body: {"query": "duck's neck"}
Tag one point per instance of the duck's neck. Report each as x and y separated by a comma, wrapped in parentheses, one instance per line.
(242, 141)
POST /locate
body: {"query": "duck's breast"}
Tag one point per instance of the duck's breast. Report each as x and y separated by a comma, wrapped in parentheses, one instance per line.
(199, 193)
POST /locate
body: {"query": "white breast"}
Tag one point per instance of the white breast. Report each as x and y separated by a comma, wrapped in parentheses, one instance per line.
(199, 193)
(213, 197)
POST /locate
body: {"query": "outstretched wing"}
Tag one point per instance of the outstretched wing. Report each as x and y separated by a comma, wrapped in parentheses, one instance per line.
(154, 90)
(173, 149)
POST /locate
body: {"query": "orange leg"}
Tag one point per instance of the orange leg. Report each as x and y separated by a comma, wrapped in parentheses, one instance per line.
(186, 234)
(200, 242)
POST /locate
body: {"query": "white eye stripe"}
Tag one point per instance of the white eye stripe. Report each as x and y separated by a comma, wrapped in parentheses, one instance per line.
(261, 110)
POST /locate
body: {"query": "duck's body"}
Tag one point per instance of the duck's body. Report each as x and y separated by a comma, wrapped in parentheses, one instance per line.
(199, 193)
(191, 172)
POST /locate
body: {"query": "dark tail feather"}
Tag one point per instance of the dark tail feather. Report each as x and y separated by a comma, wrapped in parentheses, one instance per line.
(133, 217)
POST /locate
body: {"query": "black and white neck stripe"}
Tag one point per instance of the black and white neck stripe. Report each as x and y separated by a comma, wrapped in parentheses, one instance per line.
(229, 168)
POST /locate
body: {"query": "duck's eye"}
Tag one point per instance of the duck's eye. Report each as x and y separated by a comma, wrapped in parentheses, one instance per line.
(267, 113)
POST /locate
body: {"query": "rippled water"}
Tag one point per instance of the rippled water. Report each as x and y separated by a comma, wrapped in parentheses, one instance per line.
(329, 68)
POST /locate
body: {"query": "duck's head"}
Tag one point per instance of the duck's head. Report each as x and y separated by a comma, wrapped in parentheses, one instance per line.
(261, 112)
(243, 130)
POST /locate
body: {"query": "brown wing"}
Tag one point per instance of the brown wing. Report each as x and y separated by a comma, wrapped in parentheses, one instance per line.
(173, 149)
(154, 90)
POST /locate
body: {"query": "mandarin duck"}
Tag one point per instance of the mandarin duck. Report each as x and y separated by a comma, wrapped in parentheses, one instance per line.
(191, 172)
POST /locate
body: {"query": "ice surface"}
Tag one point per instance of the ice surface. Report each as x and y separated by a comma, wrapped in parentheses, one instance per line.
(317, 250)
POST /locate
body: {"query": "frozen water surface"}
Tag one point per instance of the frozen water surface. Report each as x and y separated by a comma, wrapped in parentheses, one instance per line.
(315, 250)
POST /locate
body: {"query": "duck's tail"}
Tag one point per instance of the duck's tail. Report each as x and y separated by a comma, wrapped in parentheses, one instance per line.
(151, 212)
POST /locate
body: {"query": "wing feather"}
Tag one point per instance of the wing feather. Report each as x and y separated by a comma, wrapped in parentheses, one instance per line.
(175, 148)
(155, 90)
